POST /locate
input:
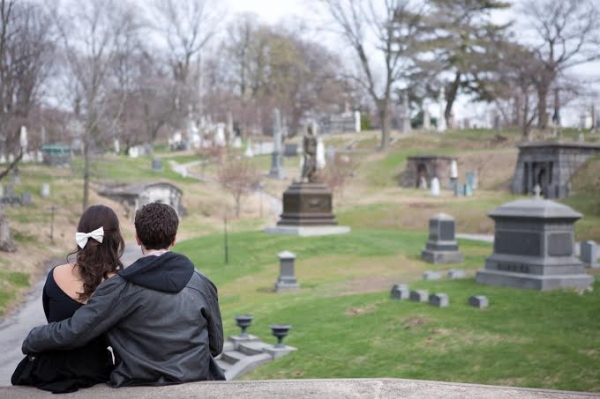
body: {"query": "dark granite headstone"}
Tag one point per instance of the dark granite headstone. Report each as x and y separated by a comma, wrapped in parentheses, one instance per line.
(441, 246)
(157, 165)
(589, 254)
(439, 300)
(400, 291)
(456, 273)
(533, 247)
(26, 198)
(418, 296)
(478, 301)
(431, 275)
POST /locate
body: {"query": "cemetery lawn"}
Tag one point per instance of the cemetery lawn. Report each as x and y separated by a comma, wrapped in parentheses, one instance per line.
(346, 326)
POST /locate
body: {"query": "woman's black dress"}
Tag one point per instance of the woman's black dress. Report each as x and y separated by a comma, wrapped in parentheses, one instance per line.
(69, 370)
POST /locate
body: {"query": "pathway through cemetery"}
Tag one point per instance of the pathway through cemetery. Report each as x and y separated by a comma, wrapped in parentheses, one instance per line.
(15, 327)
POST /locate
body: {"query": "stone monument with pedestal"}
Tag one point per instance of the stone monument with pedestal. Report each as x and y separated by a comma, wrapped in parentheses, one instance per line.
(533, 247)
(441, 246)
(308, 204)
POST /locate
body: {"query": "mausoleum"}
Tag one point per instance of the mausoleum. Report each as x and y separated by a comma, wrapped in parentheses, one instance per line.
(551, 166)
(134, 196)
(424, 168)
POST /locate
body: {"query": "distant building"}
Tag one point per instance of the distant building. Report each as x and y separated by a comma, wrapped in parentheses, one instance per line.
(134, 196)
(56, 154)
(423, 168)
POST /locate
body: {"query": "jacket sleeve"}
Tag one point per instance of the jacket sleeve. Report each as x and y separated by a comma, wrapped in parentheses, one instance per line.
(104, 309)
(212, 314)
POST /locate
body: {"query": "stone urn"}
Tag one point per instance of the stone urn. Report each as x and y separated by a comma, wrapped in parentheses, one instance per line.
(243, 321)
(280, 331)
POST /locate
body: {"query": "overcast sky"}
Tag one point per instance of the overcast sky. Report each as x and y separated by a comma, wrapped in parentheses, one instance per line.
(289, 11)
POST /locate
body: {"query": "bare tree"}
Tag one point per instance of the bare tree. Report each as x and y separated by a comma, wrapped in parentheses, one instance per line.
(566, 35)
(185, 27)
(239, 177)
(392, 29)
(90, 34)
(26, 48)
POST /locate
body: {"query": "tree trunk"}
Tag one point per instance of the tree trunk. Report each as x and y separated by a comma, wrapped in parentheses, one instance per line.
(384, 116)
(451, 97)
(86, 175)
(6, 242)
(542, 105)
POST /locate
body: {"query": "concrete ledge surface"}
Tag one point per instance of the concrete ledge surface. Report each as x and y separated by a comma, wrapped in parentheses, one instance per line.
(386, 388)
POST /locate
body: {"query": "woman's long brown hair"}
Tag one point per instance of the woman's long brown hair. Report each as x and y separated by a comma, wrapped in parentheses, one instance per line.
(96, 260)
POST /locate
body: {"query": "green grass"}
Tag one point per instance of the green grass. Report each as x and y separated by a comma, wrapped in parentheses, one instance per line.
(10, 283)
(345, 325)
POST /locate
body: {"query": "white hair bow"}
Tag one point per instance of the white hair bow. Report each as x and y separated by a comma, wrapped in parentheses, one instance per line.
(82, 238)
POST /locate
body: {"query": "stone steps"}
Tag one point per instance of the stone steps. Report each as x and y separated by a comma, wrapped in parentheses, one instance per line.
(243, 354)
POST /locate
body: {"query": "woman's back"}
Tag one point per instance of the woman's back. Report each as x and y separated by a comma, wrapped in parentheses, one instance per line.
(65, 371)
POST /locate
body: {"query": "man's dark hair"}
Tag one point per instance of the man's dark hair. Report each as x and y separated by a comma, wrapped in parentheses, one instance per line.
(156, 225)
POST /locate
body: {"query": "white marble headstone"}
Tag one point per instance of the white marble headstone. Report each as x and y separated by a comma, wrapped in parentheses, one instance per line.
(435, 187)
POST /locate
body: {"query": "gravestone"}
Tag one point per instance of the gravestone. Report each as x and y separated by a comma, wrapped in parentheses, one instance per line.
(441, 246)
(478, 301)
(423, 183)
(533, 247)
(441, 121)
(418, 296)
(290, 149)
(249, 153)
(456, 273)
(468, 190)
(439, 300)
(157, 165)
(276, 170)
(589, 254)
(400, 292)
(26, 198)
(45, 190)
(321, 161)
(459, 190)
(287, 278)
(453, 174)
(470, 177)
(435, 187)
(426, 120)
(431, 275)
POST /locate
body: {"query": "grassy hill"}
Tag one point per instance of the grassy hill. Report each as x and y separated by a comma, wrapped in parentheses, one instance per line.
(344, 323)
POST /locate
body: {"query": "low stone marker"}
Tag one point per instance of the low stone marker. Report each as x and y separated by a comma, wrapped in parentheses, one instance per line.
(287, 278)
(419, 296)
(457, 273)
(439, 300)
(478, 301)
(589, 254)
(45, 190)
(26, 198)
(431, 275)
(157, 165)
(400, 292)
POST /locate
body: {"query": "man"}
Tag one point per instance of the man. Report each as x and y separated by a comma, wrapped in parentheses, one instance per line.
(160, 315)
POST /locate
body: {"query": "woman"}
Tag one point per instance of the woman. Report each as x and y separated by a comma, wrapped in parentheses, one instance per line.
(68, 287)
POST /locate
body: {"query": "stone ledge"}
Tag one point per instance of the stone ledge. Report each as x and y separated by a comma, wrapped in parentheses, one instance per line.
(386, 388)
